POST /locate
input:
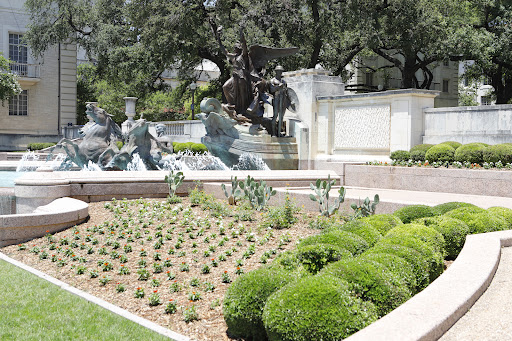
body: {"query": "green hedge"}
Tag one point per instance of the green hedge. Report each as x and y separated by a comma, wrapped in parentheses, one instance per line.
(409, 213)
(382, 222)
(449, 206)
(471, 152)
(434, 259)
(420, 265)
(372, 282)
(418, 151)
(400, 155)
(498, 152)
(316, 308)
(40, 145)
(453, 144)
(364, 230)
(440, 153)
(397, 265)
(196, 148)
(424, 233)
(315, 257)
(505, 213)
(486, 222)
(246, 297)
(347, 240)
(453, 230)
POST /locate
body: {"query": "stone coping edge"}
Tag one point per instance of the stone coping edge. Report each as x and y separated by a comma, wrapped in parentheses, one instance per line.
(430, 313)
(93, 299)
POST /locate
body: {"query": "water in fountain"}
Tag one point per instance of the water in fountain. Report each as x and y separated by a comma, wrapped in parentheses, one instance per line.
(56, 163)
(248, 161)
(91, 167)
(28, 162)
(136, 164)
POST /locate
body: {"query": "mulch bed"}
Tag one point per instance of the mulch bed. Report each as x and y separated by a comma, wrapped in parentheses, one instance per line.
(126, 234)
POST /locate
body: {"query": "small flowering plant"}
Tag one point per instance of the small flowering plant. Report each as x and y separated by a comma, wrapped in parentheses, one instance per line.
(194, 296)
(139, 292)
(225, 277)
(171, 307)
(154, 299)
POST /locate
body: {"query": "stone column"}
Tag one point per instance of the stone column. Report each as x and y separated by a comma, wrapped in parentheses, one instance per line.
(313, 130)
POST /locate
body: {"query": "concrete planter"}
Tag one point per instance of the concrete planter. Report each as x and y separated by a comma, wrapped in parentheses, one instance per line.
(443, 180)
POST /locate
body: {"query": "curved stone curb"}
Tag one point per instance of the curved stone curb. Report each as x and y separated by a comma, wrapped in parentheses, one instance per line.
(93, 299)
(56, 216)
(430, 313)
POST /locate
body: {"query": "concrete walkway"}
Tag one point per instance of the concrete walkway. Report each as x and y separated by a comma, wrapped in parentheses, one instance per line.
(490, 318)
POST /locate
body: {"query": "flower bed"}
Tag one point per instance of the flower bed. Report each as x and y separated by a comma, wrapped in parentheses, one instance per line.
(168, 263)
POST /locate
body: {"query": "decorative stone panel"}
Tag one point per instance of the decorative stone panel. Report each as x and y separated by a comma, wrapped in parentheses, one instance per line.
(364, 127)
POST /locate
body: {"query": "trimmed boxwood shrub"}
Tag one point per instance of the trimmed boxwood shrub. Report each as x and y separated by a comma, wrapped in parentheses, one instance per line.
(40, 145)
(397, 265)
(347, 240)
(424, 233)
(289, 261)
(486, 222)
(453, 230)
(316, 308)
(196, 148)
(400, 155)
(434, 259)
(364, 230)
(449, 206)
(372, 282)
(464, 213)
(418, 152)
(505, 213)
(498, 152)
(416, 260)
(471, 152)
(453, 144)
(315, 257)
(423, 147)
(246, 297)
(409, 213)
(382, 222)
(440, 153)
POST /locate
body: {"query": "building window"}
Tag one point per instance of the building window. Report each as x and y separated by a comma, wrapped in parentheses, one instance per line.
(486, 81)
(446, 85)
(466, 82)
(486, 100)
(446, 62)
(18, 105)
(18, 54)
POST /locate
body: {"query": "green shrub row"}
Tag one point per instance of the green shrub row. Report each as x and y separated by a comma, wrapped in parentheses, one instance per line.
(348, 275)
(40, 145)
(451, 151)
(196, 148)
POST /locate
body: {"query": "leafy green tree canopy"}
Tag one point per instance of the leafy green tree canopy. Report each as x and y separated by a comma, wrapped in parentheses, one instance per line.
(9, 85)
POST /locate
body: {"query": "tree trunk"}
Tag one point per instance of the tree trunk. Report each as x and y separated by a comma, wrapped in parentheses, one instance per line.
(408, 72)
(317, 42)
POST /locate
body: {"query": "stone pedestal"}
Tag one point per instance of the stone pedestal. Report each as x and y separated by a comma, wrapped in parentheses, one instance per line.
(129, 112)
(276, 152)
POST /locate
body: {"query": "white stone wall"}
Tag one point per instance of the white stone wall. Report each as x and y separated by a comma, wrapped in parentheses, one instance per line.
(374, 123)
(43, 91)
(490, 124)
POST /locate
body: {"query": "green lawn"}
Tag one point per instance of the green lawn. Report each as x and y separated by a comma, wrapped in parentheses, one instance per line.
(34, 309)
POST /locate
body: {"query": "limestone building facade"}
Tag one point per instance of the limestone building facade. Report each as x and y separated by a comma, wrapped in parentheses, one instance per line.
(373, 73)
(47, 105)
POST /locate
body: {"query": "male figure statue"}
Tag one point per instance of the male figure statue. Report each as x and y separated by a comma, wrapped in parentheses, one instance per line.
(279, 90)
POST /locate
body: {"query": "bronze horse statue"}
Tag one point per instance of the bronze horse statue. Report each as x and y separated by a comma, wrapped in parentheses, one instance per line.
(98, 137)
